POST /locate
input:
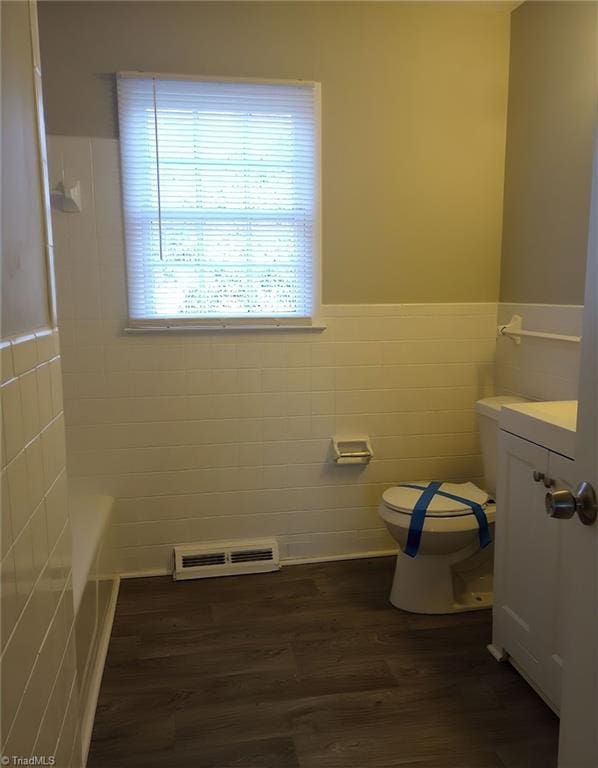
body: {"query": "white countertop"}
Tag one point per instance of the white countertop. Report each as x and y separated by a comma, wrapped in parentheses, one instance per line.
(550, 424)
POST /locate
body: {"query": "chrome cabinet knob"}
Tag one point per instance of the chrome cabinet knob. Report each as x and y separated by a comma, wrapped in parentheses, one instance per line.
(562, 505)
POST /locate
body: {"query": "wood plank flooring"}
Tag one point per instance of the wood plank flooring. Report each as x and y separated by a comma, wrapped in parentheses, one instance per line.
(310, 667)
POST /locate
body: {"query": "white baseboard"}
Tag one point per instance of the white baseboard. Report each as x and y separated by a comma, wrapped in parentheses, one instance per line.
(146, 574)
(288, 561)
(333, 558)
(96, 675)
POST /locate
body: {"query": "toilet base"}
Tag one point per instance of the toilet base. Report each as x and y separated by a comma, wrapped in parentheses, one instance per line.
(452, 584)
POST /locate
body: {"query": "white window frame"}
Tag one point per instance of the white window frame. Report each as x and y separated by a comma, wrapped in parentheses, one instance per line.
(313, 323)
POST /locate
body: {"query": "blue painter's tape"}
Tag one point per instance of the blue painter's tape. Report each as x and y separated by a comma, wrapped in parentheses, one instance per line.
(480, 515)
(417, 518)
(421, 507)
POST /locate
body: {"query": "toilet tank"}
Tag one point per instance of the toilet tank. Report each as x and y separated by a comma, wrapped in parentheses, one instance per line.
(488, 409)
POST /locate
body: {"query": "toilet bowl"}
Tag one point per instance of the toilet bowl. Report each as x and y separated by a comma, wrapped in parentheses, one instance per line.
(448, 571)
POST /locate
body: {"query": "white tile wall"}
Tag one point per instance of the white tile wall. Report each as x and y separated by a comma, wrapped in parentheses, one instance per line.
(227, 435)
(37, 663)
(540, 369)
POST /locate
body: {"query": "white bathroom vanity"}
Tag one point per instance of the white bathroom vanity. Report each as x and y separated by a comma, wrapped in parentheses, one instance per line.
(536, 455)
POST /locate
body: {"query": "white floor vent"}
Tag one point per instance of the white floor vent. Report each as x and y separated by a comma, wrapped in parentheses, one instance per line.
(225, 558)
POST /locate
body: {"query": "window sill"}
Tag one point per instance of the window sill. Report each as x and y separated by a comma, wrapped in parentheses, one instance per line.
(224, 328)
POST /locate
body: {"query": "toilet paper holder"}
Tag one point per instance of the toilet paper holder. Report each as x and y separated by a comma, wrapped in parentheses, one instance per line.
(352, 450)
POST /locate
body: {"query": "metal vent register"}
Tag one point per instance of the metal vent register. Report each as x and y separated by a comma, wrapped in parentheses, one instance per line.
(225, 558)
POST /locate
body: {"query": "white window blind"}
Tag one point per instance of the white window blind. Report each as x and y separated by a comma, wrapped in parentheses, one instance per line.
(220, 198)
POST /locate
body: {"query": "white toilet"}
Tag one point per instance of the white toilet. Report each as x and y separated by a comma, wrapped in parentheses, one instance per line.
(447, 571)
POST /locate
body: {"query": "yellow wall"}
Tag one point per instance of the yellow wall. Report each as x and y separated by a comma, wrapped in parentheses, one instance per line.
(552, 110)
(414, 118)
(24, 285)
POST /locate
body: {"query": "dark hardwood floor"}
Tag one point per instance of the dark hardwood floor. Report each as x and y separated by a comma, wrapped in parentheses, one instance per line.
(310, 667)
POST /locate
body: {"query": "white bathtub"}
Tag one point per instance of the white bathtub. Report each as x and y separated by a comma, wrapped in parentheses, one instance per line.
(90, 517)
(95, 590)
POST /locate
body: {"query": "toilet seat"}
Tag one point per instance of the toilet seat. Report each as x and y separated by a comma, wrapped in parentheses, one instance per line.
(402, 499)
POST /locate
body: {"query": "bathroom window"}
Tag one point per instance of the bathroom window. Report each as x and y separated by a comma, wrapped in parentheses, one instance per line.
(221, 200)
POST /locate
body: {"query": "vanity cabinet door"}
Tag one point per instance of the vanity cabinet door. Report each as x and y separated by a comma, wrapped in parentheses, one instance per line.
(560, 471)
(523, 576)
